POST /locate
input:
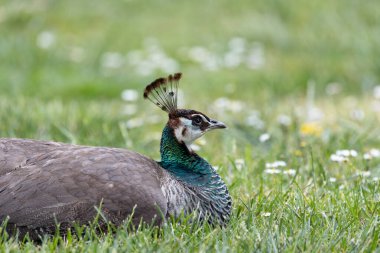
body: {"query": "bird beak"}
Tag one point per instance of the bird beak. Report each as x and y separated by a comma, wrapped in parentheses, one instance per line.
(214, 124)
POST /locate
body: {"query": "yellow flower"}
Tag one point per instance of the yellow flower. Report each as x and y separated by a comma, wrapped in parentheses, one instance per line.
(297, 152)
(311, 129)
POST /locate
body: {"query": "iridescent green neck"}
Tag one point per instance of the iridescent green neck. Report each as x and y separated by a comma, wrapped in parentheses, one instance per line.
(183, 164)
(198, 174)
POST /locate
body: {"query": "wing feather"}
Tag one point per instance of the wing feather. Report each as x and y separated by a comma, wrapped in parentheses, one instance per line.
(45, 182)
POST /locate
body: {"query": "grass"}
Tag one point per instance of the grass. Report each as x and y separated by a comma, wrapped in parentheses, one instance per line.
(65, 63)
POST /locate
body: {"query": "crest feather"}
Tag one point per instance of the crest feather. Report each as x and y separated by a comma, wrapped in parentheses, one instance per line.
(163, 92)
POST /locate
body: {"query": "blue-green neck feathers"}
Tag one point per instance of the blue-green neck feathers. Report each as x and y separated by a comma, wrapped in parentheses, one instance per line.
(183, 164)
(196, 173)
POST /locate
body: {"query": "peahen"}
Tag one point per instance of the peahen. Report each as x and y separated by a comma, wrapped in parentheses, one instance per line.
(44, 183)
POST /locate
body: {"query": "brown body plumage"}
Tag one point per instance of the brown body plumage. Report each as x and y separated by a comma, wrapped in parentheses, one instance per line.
(44, 182)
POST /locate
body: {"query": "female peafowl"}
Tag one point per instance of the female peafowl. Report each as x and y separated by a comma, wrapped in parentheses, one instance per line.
(43, 184)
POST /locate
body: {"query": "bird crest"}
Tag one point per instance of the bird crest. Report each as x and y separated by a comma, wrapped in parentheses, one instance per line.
(163, 92)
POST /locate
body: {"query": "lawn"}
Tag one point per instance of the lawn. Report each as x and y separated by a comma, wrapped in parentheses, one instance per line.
(297, 83)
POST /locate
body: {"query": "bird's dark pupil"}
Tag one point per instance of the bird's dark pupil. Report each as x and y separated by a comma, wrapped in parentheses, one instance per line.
(197, 119)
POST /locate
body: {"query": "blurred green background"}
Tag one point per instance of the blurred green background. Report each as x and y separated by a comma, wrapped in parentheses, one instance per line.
(262, 49)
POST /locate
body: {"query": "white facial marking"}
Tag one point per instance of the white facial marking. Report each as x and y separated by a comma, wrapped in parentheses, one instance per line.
(186, 132)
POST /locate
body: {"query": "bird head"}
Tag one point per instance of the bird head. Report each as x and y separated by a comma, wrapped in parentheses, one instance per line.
(188, 125)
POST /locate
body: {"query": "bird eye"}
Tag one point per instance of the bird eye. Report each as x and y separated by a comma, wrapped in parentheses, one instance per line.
(197, 120)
